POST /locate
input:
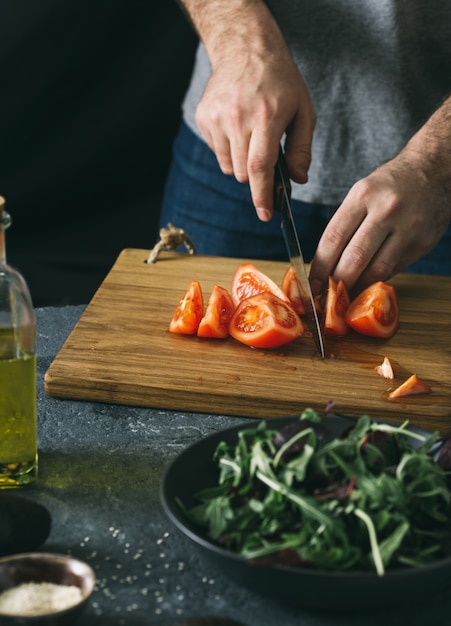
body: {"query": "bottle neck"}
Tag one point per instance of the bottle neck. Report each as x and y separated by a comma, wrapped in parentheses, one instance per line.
(5, 221)
(2, 247)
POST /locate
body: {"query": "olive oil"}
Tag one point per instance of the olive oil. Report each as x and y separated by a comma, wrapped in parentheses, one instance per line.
(18, 439)
(18, 445)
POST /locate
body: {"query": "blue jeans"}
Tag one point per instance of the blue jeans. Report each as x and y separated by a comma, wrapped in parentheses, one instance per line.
(217, 213)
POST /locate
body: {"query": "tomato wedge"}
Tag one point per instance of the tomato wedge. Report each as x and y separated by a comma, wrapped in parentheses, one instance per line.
(220, 308)
(375, 311)
(189, 311)
(249, 281)
(412, 385)
(337, 303)
(265, 321)
(385, 369)
(291, 288)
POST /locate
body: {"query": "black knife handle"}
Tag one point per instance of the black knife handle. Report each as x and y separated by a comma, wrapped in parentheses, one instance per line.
(281, 181)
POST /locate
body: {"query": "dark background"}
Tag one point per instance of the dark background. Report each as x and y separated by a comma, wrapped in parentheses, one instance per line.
(90, 102)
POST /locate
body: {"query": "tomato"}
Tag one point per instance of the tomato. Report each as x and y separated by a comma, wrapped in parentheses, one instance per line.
(189, 311)
(215, 322)
(412, 385)
(375, 311)
(265, 321)
(385, 369)
(248, 281)
(337, 303)
(291, 288)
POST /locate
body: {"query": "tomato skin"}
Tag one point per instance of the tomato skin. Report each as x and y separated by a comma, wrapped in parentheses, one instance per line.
(265, 321)
(337, 303)
(375, 311)
(249, 281)
(220, 308)
(189, 311)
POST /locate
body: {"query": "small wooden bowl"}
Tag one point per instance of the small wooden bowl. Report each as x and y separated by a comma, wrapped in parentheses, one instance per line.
(42, 567)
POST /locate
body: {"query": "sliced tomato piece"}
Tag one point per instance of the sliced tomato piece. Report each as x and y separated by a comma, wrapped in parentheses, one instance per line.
(265, 321)
(249, 281)
(337, 303)
(189, 311)
(220, 308)
(375, 311)
(411, 386)
(292, 288)
(385, 369)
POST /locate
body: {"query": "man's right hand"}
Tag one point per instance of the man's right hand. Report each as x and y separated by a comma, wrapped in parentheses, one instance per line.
(254, 95)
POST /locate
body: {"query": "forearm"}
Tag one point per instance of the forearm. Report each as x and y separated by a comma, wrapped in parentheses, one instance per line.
(432, 145)
(229, 27)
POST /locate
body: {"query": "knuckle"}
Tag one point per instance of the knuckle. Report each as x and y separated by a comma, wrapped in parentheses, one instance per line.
(355, 256)
(235, 116)
(379, 270)
(332, 237)
(256, 166)
(361, 191)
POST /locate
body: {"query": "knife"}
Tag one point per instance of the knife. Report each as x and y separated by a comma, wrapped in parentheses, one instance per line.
(282, 204)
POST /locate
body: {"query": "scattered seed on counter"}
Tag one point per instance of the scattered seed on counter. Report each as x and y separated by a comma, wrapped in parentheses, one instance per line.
(130, 566)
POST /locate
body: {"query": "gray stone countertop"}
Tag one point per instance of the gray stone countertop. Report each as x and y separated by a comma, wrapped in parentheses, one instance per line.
(100, 468)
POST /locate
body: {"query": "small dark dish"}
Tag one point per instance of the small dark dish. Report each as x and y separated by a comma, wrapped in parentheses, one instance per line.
(194, 470)
(16, 532)
(39, 567)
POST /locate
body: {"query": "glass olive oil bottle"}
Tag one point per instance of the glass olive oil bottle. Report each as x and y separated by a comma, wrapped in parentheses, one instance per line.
(18, 437)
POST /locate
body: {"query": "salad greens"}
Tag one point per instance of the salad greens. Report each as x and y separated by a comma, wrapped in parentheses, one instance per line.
(368, 499)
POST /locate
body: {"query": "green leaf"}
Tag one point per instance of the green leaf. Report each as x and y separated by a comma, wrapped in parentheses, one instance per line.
(219, 513)
(390, 544)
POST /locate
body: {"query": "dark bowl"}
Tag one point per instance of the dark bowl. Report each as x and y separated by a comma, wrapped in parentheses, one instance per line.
(194, 470)
(16, 532)
(40, 567)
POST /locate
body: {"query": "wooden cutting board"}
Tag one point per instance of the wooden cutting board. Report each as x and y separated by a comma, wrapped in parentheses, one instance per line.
(121, 352)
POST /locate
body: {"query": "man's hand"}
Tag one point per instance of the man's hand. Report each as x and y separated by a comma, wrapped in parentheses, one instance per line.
(254, 95)
(392, 217)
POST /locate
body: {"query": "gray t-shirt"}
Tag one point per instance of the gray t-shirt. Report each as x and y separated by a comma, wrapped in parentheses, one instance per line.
(375, 69)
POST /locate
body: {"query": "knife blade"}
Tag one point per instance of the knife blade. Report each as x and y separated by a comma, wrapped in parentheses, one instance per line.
(282, 204)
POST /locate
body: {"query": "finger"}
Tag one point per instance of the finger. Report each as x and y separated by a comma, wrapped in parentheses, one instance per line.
(298, 143)
(221, 147)
(239, 149)
(336, 236)
(393, 256)
(216, 140)
(360, 252)
(263, 153)
(298, 162)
